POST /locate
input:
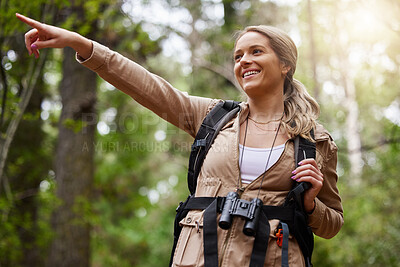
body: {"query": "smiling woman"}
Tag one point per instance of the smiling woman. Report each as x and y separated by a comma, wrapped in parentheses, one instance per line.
(270, 56)
(258, 67)
(278, 112)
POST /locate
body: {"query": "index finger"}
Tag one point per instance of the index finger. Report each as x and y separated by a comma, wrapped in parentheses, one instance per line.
(311, 161)
(31, 22)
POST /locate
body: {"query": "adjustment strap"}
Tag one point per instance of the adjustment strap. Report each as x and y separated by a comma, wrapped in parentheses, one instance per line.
(210, 240)
(279, 212)
(201, 203)
(285, 245)
(271, 212)
(260, 242)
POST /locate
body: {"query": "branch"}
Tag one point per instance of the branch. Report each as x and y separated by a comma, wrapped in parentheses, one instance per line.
(381, 143)
(5, 88)
(220, 70)
(9, 196)
(28, 85)
(366, 148)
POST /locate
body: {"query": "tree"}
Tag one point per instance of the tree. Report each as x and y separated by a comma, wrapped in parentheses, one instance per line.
(74, 165)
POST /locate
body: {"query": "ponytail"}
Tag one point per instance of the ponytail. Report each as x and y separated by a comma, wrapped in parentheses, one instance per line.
(300, 109)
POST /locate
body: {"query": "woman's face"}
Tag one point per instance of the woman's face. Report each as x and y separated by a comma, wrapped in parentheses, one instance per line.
(257, 68)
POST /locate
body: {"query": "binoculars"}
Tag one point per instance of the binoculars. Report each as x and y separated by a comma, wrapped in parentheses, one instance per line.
(234, 206)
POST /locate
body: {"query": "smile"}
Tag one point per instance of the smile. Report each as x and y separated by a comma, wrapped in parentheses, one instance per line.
(252, 72)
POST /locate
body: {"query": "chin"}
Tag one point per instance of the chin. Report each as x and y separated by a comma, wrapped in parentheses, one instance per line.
(250, 89)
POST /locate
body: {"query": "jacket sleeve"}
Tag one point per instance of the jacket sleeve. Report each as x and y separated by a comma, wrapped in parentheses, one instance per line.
(148, 89)
(327, 217)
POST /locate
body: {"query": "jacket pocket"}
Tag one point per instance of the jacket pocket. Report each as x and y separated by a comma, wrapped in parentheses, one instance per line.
(274, 252)
(189, 249)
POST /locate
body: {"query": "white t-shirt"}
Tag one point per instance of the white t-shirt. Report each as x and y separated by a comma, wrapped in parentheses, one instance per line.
(254, 160)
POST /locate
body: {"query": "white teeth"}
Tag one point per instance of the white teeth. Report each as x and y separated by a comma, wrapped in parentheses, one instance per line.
(250, 73)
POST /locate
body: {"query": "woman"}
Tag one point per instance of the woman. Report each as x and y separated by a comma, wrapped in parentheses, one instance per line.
(254, 150)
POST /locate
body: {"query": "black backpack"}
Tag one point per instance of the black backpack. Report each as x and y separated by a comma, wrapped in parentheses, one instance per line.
(292, 215)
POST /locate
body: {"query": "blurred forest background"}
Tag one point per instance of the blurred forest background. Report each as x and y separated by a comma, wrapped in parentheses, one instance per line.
(90, 178)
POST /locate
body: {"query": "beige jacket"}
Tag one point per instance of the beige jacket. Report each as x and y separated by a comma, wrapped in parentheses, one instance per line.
(220, 171)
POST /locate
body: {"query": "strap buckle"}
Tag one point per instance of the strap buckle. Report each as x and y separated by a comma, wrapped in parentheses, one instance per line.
(199, 143)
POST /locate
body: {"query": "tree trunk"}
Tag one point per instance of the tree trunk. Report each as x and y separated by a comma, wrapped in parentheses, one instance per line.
(352, 121)
(352, 125)
(313, 57)
(74, 165)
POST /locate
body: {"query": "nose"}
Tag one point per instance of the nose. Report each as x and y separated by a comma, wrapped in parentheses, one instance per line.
(245, 60)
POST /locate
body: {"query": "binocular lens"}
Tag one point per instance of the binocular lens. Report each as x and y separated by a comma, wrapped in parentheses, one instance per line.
(249, 228)
(224, 224)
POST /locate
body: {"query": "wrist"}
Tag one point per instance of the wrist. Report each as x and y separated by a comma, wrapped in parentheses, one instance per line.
(310, 208)
(82, 46)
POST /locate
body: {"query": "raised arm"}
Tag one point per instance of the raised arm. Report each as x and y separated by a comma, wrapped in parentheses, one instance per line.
(148, 89)
(47, 36)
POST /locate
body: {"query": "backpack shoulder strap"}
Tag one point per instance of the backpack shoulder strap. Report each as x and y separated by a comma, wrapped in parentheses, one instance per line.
(303, 149)
(209, 129)
(302, 232)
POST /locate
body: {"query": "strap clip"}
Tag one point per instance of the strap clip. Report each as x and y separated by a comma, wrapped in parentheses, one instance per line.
(279, 236)
(199, 143)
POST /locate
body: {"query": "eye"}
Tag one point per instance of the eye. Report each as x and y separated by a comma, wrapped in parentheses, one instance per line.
(257, 51)
(237, 57)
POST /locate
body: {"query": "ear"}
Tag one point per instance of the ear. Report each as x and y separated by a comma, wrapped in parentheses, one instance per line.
(285, 70)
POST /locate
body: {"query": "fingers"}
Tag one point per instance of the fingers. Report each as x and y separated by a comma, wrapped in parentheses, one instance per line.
(36, 53)
(38, 44)
(316, 181)
(308, 175)
(30, 38)
(33, 42)
(31, 22)
(309, 164)
(309, 172)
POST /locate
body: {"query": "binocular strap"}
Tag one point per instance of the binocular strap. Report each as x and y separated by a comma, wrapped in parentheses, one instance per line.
(210, 239)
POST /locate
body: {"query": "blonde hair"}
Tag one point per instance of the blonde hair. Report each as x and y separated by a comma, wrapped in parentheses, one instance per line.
(301, 111)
